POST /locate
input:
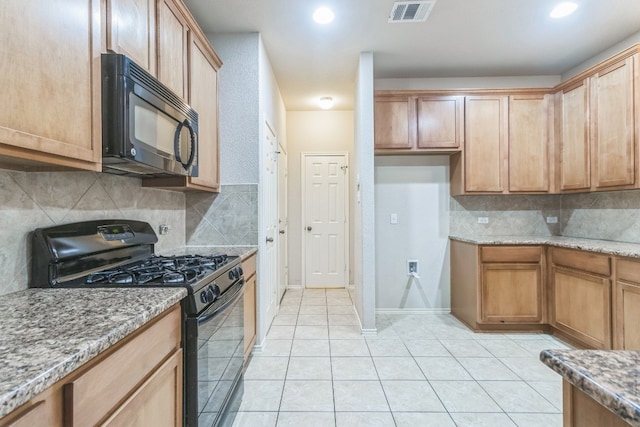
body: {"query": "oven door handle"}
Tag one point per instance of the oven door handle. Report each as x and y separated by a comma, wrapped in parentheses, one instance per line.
(214, 309)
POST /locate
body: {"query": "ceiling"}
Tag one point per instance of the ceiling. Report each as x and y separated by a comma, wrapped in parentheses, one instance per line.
(460, 38)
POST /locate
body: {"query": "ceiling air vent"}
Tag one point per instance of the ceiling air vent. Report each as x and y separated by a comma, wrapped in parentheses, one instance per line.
(410, 11)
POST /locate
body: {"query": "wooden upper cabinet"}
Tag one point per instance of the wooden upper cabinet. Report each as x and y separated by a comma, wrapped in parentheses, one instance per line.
(189, 66)
(172, 39)
(50, 80)
(440, 121)
(131, 29)
(529, 140)
(574, 153)
(203, 83)
(395, 122)
(485, 150)
(612, 127)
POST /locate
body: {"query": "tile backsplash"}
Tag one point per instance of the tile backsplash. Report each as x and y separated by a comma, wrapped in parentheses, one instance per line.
(42, 199)
(229, 218)
(613, 215)
(508, 215)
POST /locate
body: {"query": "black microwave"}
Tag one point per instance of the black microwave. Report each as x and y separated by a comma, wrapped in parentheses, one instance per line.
(147, 130)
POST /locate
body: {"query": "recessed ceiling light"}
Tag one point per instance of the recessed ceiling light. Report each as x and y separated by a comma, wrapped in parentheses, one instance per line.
(323, 15)
(563, 9)
(326, 102)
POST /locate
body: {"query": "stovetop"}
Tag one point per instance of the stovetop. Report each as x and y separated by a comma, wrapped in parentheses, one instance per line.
(157, 270)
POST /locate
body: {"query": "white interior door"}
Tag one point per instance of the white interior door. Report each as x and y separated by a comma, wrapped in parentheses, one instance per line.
(268, 279)
(325, 220)
(283, 223)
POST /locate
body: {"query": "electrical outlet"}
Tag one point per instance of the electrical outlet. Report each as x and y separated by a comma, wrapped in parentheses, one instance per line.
(412, 266)
(163, 229)
(394, 218)
(552, 220)
(483, 220)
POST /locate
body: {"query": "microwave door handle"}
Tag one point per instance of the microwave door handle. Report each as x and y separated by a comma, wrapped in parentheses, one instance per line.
(176, 144)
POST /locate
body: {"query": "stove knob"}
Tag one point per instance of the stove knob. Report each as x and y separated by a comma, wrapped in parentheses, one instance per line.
(203, 297)
(233, 274)
(240, 272)
(215, 290)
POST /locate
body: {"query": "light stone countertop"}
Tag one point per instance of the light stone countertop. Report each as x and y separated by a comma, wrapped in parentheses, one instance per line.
(45, 334)
(611, 378)
(631, 250)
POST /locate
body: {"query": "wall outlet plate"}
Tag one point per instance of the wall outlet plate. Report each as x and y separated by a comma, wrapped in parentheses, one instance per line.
(483, 220)
(412, 266)
(552, 220)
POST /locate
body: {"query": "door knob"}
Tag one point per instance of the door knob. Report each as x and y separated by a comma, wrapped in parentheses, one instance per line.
(269, 239)
(309, 228)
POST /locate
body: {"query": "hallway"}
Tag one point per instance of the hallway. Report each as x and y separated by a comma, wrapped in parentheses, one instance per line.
(420, 370)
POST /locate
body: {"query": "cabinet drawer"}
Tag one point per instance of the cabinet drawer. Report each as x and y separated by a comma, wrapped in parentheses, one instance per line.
(583, 261)
(511, 253)
(96, 392)
(628, 270)
(249, 266)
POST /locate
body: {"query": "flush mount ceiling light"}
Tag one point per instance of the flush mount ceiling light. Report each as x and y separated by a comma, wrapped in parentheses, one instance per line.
(326, 102)
(323, 15)
(563, 9)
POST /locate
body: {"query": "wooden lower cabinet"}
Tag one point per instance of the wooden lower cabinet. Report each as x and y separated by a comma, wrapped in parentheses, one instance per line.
(511, 293)
(137, 382)
(581, 296)
(626, 306)
(580, 410)
(497, 285)
(250, 314)
(157, 402)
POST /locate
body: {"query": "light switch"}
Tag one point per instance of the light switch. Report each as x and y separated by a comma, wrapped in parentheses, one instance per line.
(394, 218)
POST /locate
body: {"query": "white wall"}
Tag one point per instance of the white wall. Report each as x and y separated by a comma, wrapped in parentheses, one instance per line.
(238, 106)
(467, 83)
(618, 47)
(321, 132)
(364, 224)
(416, 189)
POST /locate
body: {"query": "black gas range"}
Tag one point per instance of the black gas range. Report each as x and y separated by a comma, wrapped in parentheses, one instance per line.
(120, 253)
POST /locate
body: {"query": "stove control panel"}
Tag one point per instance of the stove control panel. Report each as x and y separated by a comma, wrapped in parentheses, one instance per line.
(115, 232)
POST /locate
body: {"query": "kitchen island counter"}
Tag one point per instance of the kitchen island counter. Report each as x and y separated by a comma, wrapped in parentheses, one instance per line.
(45, 334)
(611, 378)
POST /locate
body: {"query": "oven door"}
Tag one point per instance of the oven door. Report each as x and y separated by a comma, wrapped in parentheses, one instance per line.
(219, 361)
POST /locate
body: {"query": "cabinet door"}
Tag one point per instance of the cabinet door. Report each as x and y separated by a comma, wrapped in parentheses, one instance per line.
(582, 307)
(626, 305)
(511, 293)
(249, 314)
(485, 150)
(613, 126)
(172, 47)
(395, 122)
(627, 316)
(50, 80)
(529, 143)
(157, 402)
(203, 89)
(131, 30)
(574, 161)
(440, 121)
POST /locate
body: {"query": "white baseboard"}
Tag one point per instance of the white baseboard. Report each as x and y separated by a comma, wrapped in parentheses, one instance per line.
(413, 311)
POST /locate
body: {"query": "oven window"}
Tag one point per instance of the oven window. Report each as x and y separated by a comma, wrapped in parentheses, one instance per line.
(220, 360)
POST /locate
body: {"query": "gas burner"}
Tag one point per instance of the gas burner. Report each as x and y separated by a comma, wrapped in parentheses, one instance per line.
(168, 270)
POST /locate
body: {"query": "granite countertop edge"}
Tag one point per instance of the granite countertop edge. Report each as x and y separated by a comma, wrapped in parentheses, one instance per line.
(623, 249)
(603, 388)
(79, 353)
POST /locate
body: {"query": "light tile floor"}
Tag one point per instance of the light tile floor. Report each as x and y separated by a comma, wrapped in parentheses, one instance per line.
(316, 369)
